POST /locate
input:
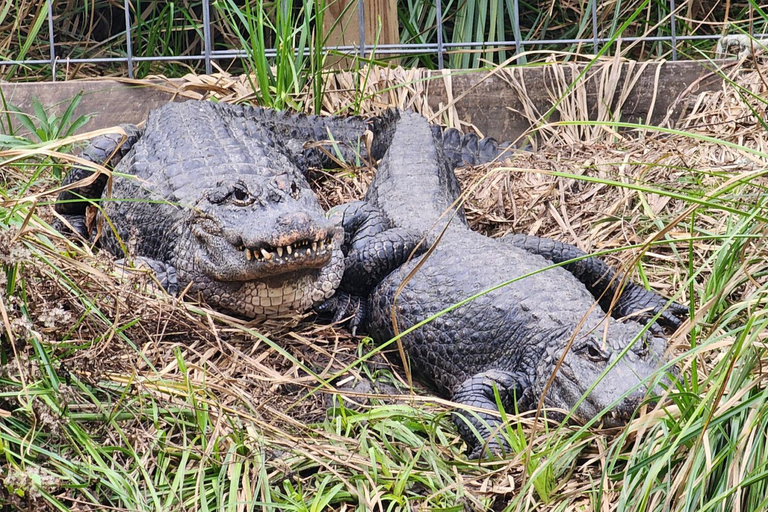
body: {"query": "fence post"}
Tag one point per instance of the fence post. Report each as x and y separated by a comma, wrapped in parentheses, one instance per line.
(128, 43)
(51, 41)
(343, 28)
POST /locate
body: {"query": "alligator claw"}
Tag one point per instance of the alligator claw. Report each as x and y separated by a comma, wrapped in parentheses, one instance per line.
(671, 314)
(345, 306)
(674, 316)
(165, 273)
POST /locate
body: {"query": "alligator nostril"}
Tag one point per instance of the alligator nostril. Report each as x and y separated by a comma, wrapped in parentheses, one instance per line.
(295, 220)
(640, 348)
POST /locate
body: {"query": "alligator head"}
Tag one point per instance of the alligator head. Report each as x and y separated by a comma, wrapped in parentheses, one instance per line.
(258, 243)
(597, 374)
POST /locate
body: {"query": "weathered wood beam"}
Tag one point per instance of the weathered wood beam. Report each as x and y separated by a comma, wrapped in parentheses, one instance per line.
(492, 102)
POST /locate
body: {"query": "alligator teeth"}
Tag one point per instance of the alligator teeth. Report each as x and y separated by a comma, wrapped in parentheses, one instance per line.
(311, 247)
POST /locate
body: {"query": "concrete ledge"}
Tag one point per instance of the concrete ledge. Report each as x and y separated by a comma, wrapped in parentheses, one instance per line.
(109, 102)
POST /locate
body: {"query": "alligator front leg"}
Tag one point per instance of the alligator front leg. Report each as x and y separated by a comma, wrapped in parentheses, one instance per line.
(372, 250)
(106, 149)
(604, 283)
(365, 266)
(481, 430)
(165, 273)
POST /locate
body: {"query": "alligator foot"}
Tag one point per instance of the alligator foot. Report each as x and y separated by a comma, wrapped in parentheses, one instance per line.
(642, 305)
(468, 149)
(373, 259)
(164, 273)
(73, 224)
(372, 248)
(345, 305)
(481, 430)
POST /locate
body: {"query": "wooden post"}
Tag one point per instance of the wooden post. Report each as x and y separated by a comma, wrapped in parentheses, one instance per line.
(343, 29)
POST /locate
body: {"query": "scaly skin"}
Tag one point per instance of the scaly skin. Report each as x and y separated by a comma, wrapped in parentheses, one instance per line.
(217, 200)
(509, 338)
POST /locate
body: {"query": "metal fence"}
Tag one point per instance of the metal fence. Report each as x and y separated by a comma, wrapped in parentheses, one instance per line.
(439, 48)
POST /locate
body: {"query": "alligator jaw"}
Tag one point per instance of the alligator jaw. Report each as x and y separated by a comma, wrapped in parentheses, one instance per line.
(266, 295)
(304, 253)
(241, 253)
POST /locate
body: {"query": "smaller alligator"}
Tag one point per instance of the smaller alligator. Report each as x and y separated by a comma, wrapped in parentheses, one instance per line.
(213, 198)
(522, 320)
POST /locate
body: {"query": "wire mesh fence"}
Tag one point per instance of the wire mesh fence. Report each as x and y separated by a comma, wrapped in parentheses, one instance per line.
(130, 37)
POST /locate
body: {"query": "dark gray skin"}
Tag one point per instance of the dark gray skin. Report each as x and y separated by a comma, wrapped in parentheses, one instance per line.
(510, 338)
(217, 200)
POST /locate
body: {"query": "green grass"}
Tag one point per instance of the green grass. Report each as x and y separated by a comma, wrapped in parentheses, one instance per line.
(114, 396)
(279, 83)
(97, 30)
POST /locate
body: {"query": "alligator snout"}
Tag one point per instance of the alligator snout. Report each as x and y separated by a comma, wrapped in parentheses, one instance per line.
(314, 226)
(294, 221)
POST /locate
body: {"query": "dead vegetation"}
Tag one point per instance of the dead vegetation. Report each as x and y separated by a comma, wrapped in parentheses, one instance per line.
(154, 365)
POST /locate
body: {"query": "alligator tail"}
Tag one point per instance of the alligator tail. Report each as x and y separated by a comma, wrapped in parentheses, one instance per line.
(346, 133)
(383, 127)
(315, 141)
(468, 149)
(108, 150)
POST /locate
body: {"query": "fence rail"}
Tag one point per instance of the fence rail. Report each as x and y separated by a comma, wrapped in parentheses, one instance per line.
(439, 48)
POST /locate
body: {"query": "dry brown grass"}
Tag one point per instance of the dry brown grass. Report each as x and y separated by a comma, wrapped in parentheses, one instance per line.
(182, 350)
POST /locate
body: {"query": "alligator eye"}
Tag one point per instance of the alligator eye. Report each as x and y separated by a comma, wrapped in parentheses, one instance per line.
(241, 195)
(592, 352)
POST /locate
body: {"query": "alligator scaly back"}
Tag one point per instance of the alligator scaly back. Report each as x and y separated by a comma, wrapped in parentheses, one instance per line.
(415, 184)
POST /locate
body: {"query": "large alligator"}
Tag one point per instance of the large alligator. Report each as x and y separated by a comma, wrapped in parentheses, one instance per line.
(214, 199)
(511, 338)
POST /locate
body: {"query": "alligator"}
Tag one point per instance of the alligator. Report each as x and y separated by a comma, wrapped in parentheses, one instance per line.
(213, 198)
(521, 316)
